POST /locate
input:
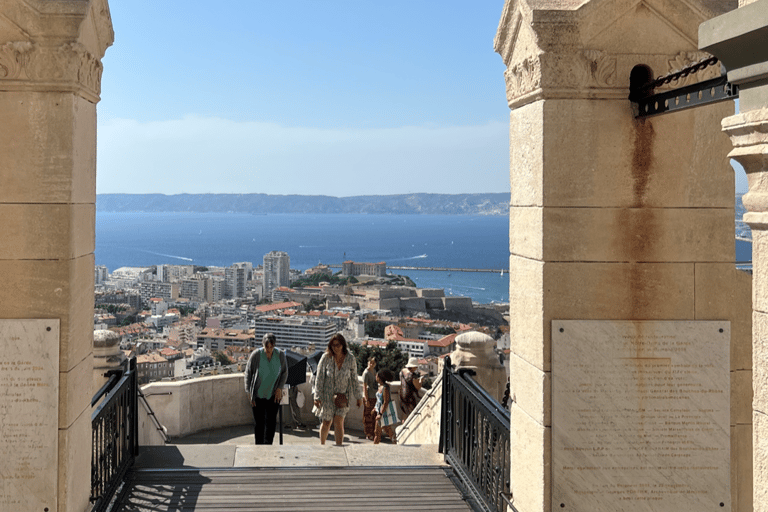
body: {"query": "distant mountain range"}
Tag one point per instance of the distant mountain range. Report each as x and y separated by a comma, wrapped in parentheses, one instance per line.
(444, 204)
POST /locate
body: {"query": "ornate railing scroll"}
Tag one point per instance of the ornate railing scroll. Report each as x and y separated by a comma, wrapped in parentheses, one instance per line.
(474, 437)
(115, 439)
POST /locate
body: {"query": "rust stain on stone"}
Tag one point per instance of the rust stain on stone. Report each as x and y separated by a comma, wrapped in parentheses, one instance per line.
(641, 160)
(639, 224)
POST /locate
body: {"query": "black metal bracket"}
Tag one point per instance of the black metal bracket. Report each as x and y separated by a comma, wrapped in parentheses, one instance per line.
(696, 95)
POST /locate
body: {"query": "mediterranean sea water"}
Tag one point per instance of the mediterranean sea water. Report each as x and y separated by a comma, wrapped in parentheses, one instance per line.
(219, 239)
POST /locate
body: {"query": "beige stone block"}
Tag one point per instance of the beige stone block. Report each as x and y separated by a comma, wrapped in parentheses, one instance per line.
(741, 468)
(760, 270)
(531, 390)
(741, 397)
(619, 291)
(75, 392)
(531, 460)
(526, 311)
(637, 234)
(526, 230)
(591, 291)
(60, 289)
(724, 293)
(760, 461)
(760, 358)
(84, 151)
(596, 154)
(74, 486)
(526, 155)
(46, 231)
(48, 142)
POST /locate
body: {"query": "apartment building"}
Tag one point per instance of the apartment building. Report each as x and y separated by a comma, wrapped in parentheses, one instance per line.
(234, 278)
(277, 266)
(296, 332)
(100, 274)
(152, 367)
(152, 289)
(119, 297)
(218, 339)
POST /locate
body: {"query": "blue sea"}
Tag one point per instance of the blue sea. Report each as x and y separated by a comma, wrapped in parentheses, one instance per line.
(220, 239)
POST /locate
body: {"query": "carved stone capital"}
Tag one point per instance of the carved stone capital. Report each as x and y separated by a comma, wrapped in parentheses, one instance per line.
(591, 73)
(749, 135)
(25, 65)
(685, 59)
(522, 78)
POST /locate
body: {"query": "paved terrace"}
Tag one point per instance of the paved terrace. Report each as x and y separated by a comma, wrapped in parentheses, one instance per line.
(221, 470)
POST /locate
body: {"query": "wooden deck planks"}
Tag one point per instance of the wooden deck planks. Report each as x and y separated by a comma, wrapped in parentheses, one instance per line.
(291, 489)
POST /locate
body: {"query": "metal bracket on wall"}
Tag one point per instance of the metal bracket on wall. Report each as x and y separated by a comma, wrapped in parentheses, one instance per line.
(696, 95)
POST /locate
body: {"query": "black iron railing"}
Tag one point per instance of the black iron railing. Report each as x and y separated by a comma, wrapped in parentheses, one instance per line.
(474, 436)
(115, 434)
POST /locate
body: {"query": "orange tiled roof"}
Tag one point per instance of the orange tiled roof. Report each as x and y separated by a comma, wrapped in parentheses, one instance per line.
(276, 307)
(445, 341)
(150, 358)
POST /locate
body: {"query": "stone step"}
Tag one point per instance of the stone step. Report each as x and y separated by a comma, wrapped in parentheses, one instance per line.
(283, 489)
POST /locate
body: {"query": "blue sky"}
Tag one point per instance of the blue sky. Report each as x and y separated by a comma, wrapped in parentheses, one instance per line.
(330, 97)
(305, 97)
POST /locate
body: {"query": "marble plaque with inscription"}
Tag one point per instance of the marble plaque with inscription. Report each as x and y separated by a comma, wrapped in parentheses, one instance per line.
(29, 398)
(640, 415)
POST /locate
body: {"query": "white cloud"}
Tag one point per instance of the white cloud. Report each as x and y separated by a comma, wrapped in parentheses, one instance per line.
(197, 155)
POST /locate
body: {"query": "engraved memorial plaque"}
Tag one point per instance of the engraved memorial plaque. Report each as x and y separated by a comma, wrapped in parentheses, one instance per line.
(640, 415)
(29, 406)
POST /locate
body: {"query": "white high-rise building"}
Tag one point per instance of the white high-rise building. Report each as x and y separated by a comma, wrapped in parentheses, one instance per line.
(235, 277)
(277, 266)
(100, 274)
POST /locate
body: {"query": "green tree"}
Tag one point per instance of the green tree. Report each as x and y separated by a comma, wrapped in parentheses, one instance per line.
(130, 319)
(221, 357)
(375, 328)
(315, 304)
(440, 330)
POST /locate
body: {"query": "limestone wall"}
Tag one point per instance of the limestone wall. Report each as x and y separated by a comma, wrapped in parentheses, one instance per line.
(612, 218)
(50, 81)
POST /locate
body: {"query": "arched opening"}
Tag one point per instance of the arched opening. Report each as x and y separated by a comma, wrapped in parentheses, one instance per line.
(639, 78)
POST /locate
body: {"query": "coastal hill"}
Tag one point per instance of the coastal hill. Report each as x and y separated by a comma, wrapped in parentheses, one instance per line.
(442, 204)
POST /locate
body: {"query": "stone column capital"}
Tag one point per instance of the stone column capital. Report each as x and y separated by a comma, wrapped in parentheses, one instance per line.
(748, 132)
(579, 50)
(55, 46)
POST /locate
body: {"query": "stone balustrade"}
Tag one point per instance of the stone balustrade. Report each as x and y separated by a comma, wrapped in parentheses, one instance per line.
(189, 406)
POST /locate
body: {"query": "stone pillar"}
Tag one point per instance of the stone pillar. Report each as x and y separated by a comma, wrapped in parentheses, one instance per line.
(106, 356)
(475, 350)
(611, 218)
(50, 75)
(740, 40)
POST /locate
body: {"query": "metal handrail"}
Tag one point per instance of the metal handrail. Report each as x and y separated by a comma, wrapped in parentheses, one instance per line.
(475, 438)
(151, 413)
(114, 440)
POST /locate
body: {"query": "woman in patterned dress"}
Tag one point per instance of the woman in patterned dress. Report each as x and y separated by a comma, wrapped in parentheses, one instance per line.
(336, 374)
